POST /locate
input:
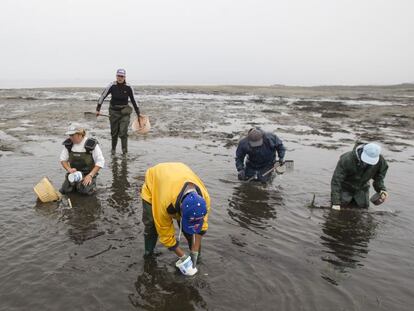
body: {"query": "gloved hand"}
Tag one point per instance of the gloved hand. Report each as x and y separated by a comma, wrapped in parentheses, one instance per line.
(194, 257)
(281, 162)
(241, 175)
(336, 207)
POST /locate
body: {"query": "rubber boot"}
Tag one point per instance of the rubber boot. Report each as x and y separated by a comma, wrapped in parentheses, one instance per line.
(114, 143)
(124, 143)
(150, 242)
(150, 232)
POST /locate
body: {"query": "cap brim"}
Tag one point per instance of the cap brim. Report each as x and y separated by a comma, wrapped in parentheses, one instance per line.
(193, 227)
(369, 160)
(256, 143)
(70, 132)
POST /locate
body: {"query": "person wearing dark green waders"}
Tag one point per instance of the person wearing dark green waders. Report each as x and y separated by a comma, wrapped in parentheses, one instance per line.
(82, 154)
(350, 181)
(119, 110)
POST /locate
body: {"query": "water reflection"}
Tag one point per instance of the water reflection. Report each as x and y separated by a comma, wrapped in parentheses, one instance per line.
(346, 235)
(46, 209)
(252, 206)
(159, 289)
(82, 218)
(120, 198)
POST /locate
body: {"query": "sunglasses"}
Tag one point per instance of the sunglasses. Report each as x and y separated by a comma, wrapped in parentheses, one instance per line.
(118, 76)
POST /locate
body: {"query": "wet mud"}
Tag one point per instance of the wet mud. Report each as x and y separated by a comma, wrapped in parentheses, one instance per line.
(268, 245)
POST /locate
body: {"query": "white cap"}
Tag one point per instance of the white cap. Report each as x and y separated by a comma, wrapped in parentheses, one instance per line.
(370, 153)
(74, 129)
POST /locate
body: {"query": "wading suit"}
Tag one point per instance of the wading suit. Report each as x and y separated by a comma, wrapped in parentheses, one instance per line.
(259, 159)
(83, 162)
(119, 111)
(350, 181)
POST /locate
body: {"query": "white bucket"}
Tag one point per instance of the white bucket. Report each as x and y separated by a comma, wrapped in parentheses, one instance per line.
(186, 266)
(75, 177)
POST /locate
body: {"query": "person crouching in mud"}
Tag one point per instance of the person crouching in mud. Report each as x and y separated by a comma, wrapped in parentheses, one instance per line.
(81, 154)
(173, 191)
(350, 181)
(256, 154)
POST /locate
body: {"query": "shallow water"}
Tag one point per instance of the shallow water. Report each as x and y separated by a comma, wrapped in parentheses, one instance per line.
(265, 249)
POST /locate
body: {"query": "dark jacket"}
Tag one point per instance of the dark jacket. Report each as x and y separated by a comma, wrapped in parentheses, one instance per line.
(353, 175)
(259, 157)
(120, 92)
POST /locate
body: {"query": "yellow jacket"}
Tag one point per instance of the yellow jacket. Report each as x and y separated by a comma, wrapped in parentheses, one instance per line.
(163, 187)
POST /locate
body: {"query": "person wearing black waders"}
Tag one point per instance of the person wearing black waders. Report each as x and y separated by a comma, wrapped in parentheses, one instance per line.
(119, 110)
(350, 181)
(256, 154)
(82, 159)
(173, 191)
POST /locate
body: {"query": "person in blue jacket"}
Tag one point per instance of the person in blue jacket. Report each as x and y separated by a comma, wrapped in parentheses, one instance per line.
(256, 154)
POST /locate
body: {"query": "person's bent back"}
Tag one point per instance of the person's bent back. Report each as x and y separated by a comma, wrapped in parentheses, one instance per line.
(350, 181)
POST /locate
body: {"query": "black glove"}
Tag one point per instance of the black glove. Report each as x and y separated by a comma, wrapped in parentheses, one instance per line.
(241, 175)
(281, 162)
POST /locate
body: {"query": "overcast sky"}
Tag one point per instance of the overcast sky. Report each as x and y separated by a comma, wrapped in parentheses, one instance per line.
(294, 42)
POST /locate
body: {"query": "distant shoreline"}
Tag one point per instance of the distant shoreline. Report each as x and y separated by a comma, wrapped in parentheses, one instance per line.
(220, 86)
(374, 92)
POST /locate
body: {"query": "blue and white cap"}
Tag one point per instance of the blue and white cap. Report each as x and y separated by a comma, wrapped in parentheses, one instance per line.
(121, 72)
(370, 153)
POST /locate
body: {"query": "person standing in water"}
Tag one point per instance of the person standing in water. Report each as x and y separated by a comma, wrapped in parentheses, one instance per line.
(350, 181)
(119, 110)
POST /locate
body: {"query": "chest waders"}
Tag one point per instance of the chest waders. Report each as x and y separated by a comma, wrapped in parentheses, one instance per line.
(83, 162)
(119, 120)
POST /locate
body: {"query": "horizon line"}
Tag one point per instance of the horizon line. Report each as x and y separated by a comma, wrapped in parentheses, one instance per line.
(95, 85)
